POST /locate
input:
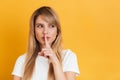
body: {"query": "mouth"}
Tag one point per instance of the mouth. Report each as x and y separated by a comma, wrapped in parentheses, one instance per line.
(43, 38)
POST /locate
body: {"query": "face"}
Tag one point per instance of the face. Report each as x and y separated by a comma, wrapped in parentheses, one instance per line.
(43, 28)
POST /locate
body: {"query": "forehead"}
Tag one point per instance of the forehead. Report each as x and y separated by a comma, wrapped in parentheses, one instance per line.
(45, 19)
(39, 19)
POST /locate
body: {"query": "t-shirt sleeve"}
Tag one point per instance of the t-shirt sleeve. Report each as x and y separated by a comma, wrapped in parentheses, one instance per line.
(18, 68)
(70, 63)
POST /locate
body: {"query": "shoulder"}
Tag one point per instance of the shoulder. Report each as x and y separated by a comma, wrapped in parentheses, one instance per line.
(19, 65)
(21, 58)
(70, 62)
(68, 56)
(67, 53)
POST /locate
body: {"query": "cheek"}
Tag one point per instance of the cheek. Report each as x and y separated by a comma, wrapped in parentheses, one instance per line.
(54, 33)
(38, 36)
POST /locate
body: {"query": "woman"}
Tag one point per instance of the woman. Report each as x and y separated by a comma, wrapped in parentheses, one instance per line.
(45, 59)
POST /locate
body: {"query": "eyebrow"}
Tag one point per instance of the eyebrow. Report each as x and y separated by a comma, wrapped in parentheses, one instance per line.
(38, 23)
(43, 24)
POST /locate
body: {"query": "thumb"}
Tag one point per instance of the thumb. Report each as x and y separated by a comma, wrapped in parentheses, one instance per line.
(41, 53)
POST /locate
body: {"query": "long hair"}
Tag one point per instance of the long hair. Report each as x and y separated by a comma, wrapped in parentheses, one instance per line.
(34, 47)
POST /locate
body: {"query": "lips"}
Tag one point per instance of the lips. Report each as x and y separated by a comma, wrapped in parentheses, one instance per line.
(43, 38)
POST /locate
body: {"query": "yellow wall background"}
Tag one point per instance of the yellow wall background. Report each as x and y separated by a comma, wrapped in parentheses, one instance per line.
(91, 28)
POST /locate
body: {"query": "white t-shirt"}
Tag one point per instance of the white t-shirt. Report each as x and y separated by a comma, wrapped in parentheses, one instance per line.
(42, 65)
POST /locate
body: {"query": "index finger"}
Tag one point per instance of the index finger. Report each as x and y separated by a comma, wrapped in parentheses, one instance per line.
(46, 42)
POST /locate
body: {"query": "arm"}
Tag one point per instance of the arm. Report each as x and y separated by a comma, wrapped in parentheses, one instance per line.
(60, 75)
(16, 78)
(70, 75)
(58, 71)
(18, 68)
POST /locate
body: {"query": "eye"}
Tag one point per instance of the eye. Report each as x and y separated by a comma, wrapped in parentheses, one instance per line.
(52, 26)
(40, 26)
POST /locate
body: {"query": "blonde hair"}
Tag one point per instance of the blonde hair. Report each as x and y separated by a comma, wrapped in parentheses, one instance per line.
(34, 47)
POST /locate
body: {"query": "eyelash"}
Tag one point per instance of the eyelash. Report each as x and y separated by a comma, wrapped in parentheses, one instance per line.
(41, 26)
(52, 26)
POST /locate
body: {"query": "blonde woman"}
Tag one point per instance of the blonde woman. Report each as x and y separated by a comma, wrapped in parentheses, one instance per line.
(45, 59)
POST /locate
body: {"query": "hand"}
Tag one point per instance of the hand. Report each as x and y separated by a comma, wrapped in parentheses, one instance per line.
(48, 52)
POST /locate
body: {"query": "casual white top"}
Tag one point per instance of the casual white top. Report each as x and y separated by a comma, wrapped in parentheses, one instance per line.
(42, 65)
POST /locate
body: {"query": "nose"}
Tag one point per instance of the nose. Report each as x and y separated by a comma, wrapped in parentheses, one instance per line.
(45, 31)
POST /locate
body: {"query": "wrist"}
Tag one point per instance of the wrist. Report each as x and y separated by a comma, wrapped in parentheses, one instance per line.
(56, 62)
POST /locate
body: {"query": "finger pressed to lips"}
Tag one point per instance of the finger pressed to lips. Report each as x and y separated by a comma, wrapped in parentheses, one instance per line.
(46, 42)
(43, 38)
(47, 50)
